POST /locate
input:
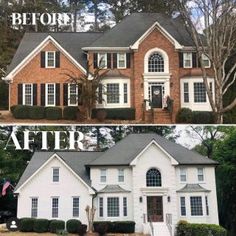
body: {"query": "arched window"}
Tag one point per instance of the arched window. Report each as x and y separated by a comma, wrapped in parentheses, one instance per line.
(156, 63)
(153, 178)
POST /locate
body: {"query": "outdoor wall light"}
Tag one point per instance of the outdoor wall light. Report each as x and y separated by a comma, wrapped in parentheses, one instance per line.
(140, 199)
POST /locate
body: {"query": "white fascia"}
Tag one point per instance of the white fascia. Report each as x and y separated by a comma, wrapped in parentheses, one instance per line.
(36, 51)
(177, 45)
(122, 49)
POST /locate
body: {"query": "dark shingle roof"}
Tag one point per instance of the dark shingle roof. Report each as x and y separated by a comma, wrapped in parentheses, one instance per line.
(125, 151)
(71, 42)
(76, 160)
(113, 189)
(132, 27)
(192, 188)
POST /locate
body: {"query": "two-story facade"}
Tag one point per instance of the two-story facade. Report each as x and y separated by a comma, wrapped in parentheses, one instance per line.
(144, 178)
(148, 57)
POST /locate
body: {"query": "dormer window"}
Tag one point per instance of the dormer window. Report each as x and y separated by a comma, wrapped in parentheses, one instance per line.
(102, 60)
(121, 60)
(188, 60)
(50, 59)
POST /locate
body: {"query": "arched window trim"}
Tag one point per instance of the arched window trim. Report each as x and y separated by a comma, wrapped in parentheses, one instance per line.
(156, 62)
(157, 179)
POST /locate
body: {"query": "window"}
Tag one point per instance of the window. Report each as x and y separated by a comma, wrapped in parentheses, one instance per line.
(113, 207)
(100, 94)
(50, 59)
(55, 174)
(75, 207)
(102, 60)
(125, 206)
(205, 61)
(125, 93)
(34, 207)
(186, 93)
(73, 94)
(200, 174)
(199, 92)
(101, 207)
(113, 93)
(196, 206)
(183, 175)
(121, 177)
(182, 206)
(103, 177)
(188, 60)
(55, 203)
(156, 63)
(50, 95)
(121, 59)
(153, 178)
(28, 94)
(207, 206)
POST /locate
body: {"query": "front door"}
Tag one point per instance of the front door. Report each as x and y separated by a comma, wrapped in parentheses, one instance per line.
(155, 209)
(157, 96)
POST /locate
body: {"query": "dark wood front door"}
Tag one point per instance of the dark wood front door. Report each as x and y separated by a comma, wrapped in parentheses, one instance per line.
(157, 96)
(155, 209)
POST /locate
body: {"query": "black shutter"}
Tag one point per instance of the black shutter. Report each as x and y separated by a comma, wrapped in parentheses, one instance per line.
(114, 60)
(42, 91)
(128, 60)
(20, 94)
(42, 59)
(80, 100)
(57, 94)
(35, 94)
(194, 56)
(95, 60)
(181, 60)
(109, 60)
(65, 94)
(57, 59)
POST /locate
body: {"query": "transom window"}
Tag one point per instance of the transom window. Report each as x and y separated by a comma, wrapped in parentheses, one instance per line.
(55, 173)
(55, 204)
(50, 94)
(199, 92)
(102, 60)
(28, 94)
(121, 59)
(113, 93)
(156, 63)
(113, 208)
(196, 206)
(50, 59)
(75, 207)
(34, 207)
(200, 174)
(188, 60)
(73, 94)
(153, 178)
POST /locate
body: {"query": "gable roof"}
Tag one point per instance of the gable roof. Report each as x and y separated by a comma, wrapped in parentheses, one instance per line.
(75, 160)
(71, 42)
(132, 27)
(125, 151)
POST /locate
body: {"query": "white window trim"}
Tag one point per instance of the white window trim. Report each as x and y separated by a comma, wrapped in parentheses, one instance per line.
(46, 59)
(101, 170)
(203, 207)
(46, 95)
(205, 58)
(77, 94)
(203, 173)
(57, 207)
(31, 198)
(23, 94)
(99, 58)
(118, 57)
(123, 171)
(181, 206)
(186, 174)
(191, 59)
(53, 168)
(73, 207)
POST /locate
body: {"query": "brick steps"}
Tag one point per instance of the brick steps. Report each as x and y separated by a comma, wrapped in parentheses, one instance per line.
(158, 116)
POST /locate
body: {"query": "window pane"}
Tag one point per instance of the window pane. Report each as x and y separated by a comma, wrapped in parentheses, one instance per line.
(75, 207)
(101, 206)
(153, 178)
(113, 207)
(183, 206)
(121, 177)
(199, 92)
(125, 93)
(156, 63)
(100, 94)
(51, 94)
(113, 93)
(102, 60)
(121, 60)
(186, 93)
(28, 94)
(125, 206)
(55, 174)
(183, 175)
(55, 202)
(187, 60)
(196, 206)
(51, 59)
(73, 94)
(207, 206)
(103, 177)
(34, 207)
(200, 174)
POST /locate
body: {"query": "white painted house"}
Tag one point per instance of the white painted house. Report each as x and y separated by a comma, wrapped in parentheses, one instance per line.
(144, 178)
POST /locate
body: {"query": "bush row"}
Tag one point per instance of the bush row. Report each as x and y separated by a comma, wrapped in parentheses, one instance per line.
(186, 229)
(186, 115)
(39, 112)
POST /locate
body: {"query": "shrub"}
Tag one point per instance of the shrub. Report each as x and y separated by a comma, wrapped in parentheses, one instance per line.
(36, 112)
(202, 117)
(101, 114)
(184, 115)
(82, 230)
(101, 227)
(53, 113)
(20, 111)
(12, 108)
(72, 226)
(26, 224)
(125, 227)
(41, 225)
(70, 113)
(186, 229)
(56, 225)
(117, 113)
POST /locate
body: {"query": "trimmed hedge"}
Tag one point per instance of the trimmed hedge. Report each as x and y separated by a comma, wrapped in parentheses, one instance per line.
(20, 111)
(41, 225)
(72, 226)
(27, 224)
(36, 112)
(56, 225)
(70, 113)
(184, 115)
(82, 230)
(117, 113)
(186, 229)
(53, 113)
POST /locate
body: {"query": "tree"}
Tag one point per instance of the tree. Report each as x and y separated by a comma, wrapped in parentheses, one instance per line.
(218, 43)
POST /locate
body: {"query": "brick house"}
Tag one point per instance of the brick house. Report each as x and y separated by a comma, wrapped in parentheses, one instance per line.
(147, 56)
